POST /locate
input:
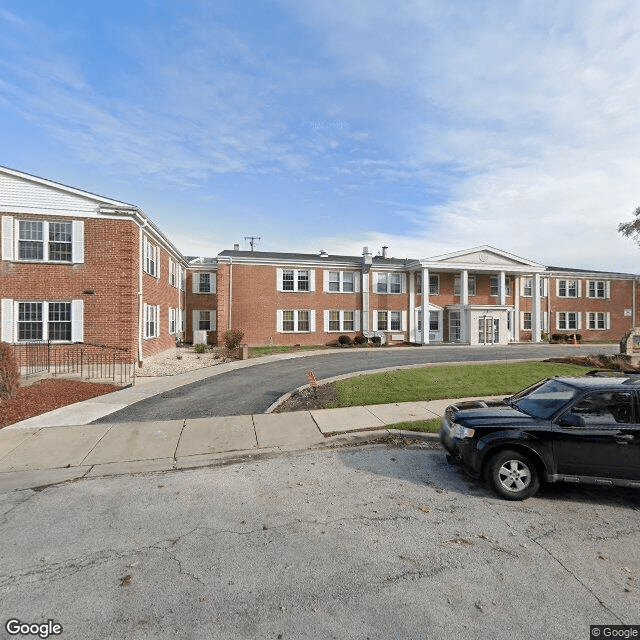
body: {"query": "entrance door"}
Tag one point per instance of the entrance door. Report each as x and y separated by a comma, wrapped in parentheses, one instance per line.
(488, 330)
(435, 325)
(455, 326)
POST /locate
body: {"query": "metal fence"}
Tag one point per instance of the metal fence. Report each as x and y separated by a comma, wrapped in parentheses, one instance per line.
(92, 362)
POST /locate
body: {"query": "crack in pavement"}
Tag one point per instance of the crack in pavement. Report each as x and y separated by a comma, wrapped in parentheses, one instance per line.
(557, 560)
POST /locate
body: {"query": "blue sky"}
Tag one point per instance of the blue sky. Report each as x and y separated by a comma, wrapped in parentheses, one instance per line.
(427, 126)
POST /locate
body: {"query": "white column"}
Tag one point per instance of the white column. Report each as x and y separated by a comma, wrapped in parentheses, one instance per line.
(425, 306)
(535, 312)
(365, 302)
(412, 307)
(464, 302)
(516, 303)
(502, 289)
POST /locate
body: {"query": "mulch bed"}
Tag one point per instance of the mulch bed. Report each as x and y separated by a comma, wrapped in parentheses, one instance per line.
(47, 395)
(307, 400)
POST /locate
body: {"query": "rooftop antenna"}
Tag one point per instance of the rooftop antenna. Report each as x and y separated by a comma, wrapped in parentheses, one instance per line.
(253, 240)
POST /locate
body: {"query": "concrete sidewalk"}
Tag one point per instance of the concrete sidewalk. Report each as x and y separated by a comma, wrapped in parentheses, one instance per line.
(37, 456)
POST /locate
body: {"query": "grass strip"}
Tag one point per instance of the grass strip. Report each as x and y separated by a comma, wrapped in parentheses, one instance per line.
(448, 381)
(426, 426)
(267, 351)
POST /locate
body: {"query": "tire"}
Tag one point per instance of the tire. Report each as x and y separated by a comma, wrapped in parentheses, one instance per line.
(513, 475)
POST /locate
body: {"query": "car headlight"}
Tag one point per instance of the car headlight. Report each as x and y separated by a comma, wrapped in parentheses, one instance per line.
(458, 431)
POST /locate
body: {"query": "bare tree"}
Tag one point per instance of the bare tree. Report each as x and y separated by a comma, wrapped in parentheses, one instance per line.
(631, 229)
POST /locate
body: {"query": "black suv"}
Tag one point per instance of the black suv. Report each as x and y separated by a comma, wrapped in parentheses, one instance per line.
(577, 429)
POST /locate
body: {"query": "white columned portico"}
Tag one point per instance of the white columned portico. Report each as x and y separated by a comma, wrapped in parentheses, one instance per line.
(464, 302)
(425, 306)
(502, 289)
(535, 312)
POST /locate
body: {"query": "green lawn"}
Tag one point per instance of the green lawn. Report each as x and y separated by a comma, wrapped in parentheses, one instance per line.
(255, 352)
(428, 426)
(450, 381)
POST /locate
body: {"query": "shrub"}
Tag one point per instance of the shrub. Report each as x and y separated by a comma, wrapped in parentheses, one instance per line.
(9, 372)
(232, 339)
(556, 337)
(579, 337)
(345, 340)
(199, 348)
(360, 340)
(376, 340)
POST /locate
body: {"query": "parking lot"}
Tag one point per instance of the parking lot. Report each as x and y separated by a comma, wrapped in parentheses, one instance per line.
(365, 542)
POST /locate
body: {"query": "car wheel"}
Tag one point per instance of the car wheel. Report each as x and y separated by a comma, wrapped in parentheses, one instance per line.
(512, 475)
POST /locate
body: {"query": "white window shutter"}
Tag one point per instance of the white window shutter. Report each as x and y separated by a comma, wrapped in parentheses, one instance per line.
(77, 321)
(195, 321)
(579, 319)
(325, 281)
(78, 241)
(157, 320)
(7, 320)
(356, 320)
(545, 286)
(279, 315)
(374, 282)
(7, 238)
(212, 319)
(403, 285)
(557, 287)
(557, 320)
(279, 282)
(158, 263)
(326, 319)
(403, 321)
(579, 288)
(169, 321)
(607, 320)
(312, 320)
(312, 279)
(607, 289)
(357, 278)
(214, 282)
(195, 282)
(545, 321)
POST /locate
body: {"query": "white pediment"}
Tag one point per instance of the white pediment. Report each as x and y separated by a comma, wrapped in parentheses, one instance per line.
(483, 258)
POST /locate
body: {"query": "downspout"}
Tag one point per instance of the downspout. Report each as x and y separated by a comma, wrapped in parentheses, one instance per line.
(633, 306)
(230, 290)
(140, 301)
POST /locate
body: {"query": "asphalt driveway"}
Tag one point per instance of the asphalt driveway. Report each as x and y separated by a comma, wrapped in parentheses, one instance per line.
(254, 389)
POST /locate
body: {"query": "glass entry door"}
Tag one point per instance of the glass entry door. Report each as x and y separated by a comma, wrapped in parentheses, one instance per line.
(455, 327)
(488, 330)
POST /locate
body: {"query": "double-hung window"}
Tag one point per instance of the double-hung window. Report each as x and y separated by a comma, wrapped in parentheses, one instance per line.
(526, 320)
(568, 320)
(60, 241)
(568, 288)
(296, 280)
(173, 320)
(389, 321)
(341, 320)
(495, 286)
(57, 321)
(295, 321)
(471, 284)
(204, 282)
(151, 320)
(389, 283)
(175, 273)
(340, 281)
(151, 258)
(598, 289)
(434, 284)
(598, 321)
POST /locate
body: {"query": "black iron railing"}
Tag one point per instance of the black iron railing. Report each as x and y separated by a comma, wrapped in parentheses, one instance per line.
(88, 361)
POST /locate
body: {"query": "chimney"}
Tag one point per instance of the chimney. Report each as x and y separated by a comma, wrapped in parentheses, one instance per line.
(323, 253)
(236, 247)
(385, 251)
(367, 258)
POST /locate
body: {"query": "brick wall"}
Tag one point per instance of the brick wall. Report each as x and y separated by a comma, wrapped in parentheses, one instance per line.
(106, 281)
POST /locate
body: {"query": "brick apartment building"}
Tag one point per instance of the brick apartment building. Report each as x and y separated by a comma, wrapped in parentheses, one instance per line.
(76, 267)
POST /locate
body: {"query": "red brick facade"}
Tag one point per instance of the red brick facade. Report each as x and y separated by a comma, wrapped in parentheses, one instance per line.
(130, 289)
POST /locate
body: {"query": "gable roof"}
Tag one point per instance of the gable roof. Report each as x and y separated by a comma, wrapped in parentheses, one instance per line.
(484, 257)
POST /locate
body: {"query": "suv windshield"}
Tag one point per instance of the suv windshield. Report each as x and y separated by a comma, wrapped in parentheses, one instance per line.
(543, 400)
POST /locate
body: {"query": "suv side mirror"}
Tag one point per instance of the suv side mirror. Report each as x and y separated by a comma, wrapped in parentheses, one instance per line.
(571, 420)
